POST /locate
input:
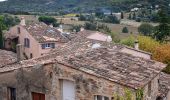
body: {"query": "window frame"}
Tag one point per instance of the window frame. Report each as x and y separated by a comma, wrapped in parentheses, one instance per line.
(101, 97)
(11, 93)
(48, 45)
(27, 42)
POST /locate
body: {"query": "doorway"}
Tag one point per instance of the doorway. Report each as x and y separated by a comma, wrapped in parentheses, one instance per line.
(38, 96)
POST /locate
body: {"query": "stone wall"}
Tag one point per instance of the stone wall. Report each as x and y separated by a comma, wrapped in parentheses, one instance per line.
(47, 79)
(26, 80)
(86, 85)
(154, 90)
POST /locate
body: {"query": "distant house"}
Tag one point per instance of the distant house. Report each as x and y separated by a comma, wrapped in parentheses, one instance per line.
(37, 39)
(94, 35)
(82, 70)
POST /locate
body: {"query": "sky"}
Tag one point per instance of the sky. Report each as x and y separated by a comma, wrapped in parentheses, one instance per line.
(2, 0)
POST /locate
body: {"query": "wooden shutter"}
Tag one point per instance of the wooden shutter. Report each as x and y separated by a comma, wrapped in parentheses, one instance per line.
(38, 96)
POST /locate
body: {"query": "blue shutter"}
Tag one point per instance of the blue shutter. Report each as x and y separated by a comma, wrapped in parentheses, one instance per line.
(43, 46)
(52, 45)
(28, 43)
(24, 42)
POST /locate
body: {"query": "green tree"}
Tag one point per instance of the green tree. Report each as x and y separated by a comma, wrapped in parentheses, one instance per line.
(134, 16)
(163, 30)
(122, 15)
(130, 16)
(99, 14)
(82, 17)
(1, 35)
(111, 19)
(125, 30)
(47, 20)
(146, 29)
(90, 25)
(9, 21)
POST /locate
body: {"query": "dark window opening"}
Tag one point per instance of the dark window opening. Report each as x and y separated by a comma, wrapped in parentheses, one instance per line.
(100, 97)
(31, 55)
(26, 42)
(11, 94)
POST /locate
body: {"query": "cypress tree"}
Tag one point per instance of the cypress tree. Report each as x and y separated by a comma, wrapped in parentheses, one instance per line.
(1, 36)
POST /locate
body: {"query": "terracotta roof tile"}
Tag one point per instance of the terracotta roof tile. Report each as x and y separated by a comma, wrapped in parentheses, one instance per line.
(105, 61)
(7, 57)
(44, 33)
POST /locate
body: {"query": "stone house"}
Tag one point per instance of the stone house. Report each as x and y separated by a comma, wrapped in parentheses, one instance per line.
(164, 87)
(79, 70)
(37, 39)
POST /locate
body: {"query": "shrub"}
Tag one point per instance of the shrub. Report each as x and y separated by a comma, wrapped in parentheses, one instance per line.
(128, 41)
(125, 30)
(90, 25)
(146, 29)
(47, 20)
(82, 18)
(111, 19)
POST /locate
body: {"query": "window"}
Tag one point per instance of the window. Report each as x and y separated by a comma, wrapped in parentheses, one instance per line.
(11, 94)
(48, 45)
(68, 90)
(31, 55)
(26, 42)
(100, 97)
(19, 30)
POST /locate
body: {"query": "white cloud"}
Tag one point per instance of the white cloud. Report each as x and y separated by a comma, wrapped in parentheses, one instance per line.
(2, 0)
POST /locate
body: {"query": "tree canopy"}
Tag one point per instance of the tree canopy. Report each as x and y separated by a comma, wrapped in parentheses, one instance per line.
(47, 20)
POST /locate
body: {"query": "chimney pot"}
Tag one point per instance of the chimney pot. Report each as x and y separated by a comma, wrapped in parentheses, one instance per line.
(22, 21)
(81, 29)
(136, 45)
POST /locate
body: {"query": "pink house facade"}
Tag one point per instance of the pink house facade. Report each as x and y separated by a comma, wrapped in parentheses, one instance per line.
(37, 39)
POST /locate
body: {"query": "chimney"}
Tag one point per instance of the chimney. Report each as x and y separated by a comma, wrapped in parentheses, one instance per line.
(22, 21)
(51, 25)
(109, 39)
(19, 50)
(81, 29)
(136, 45)
(61, 28)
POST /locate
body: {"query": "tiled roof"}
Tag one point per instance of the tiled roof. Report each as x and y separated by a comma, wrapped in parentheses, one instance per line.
(7, 57)
(104, 61)
(44, 33)
(9, 35)
(113, 65)
(96, 35)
